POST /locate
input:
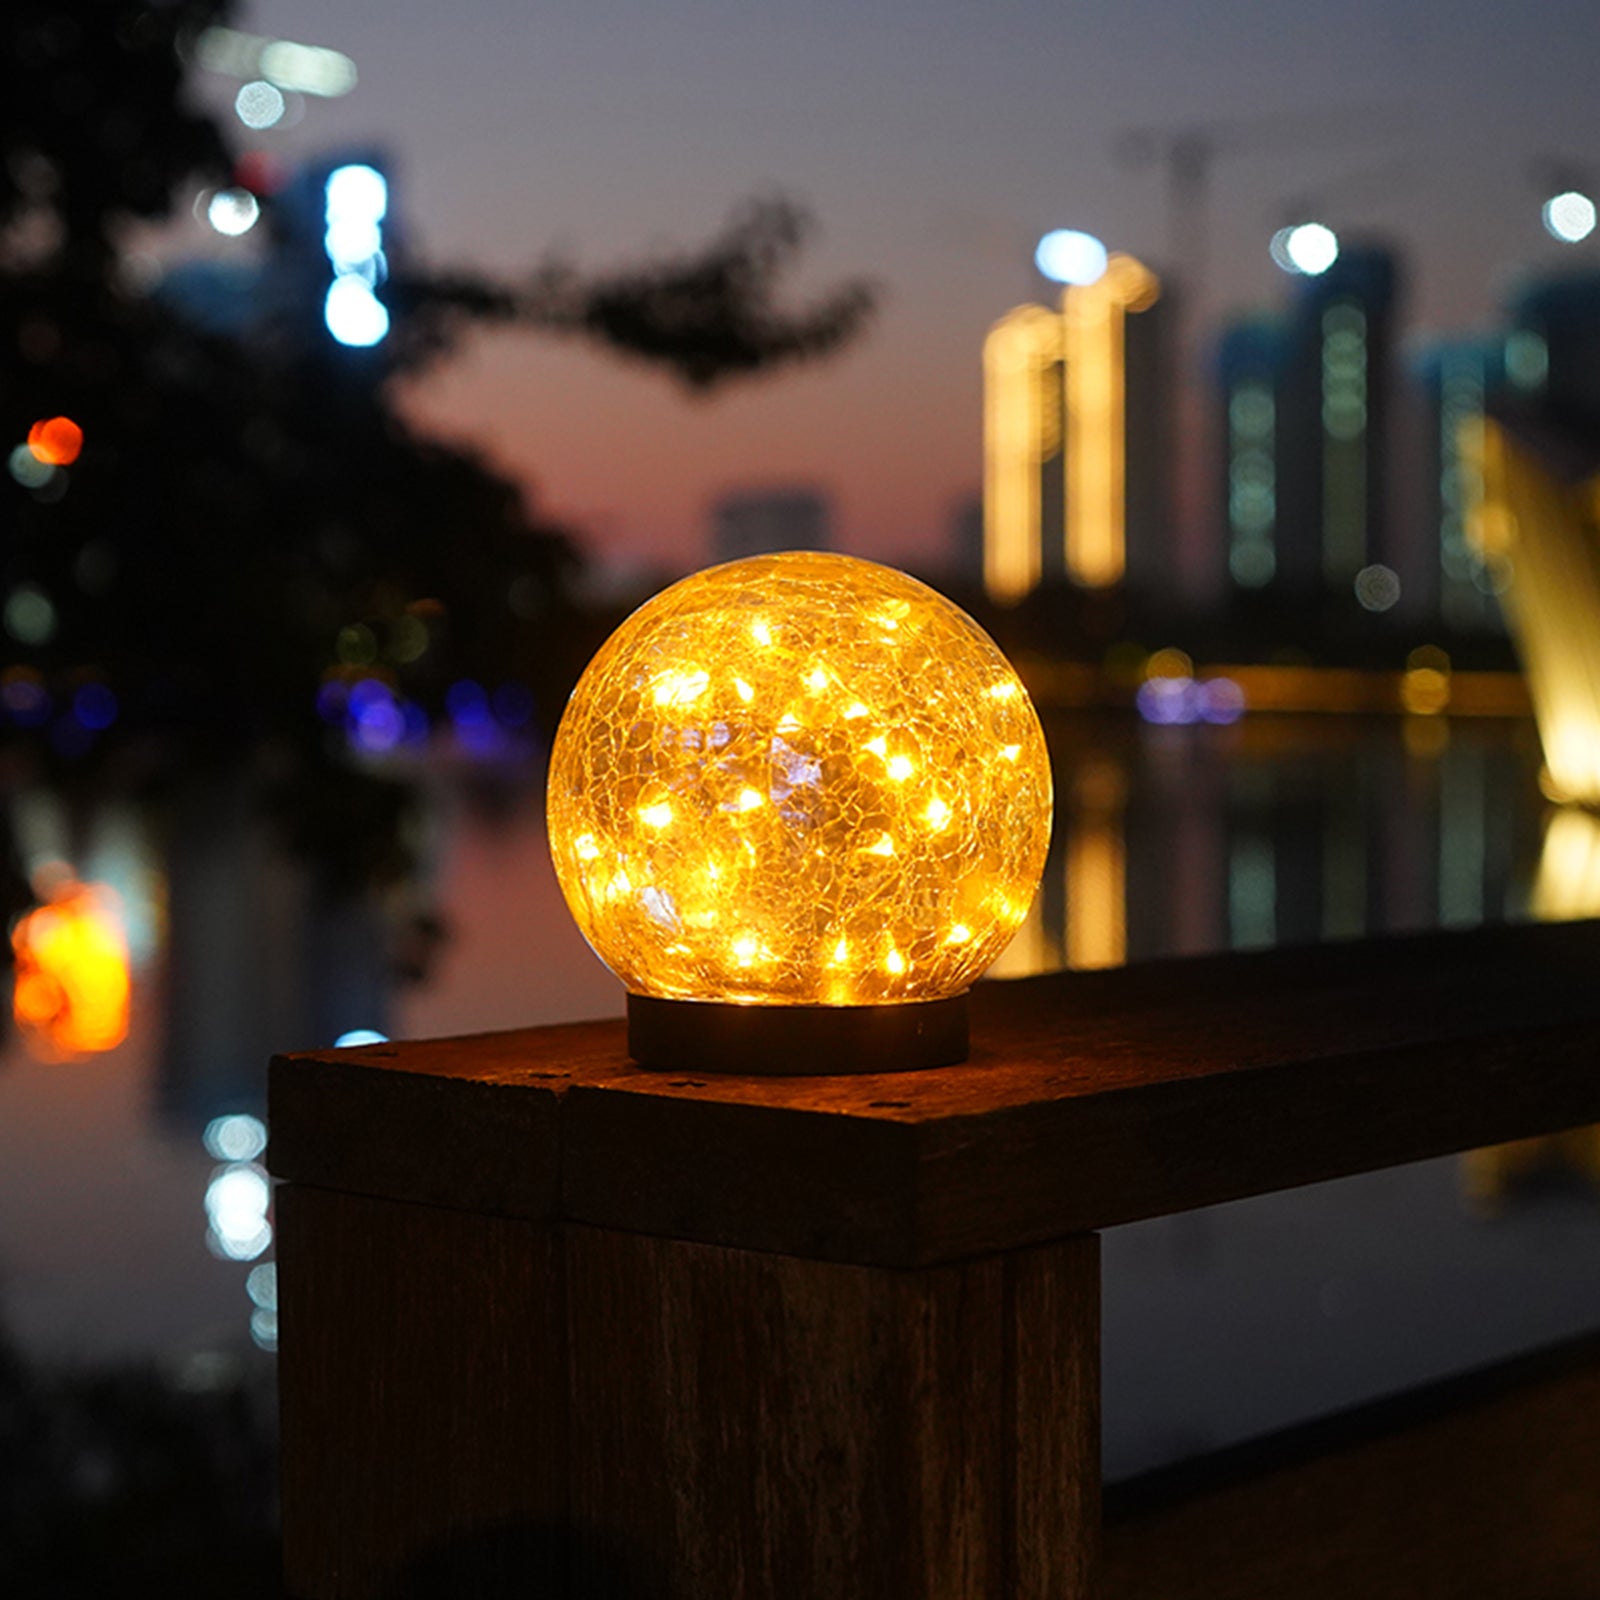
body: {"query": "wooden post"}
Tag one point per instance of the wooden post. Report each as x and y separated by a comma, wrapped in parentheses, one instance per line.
(755, 1424)
(424, 1400)
(556, 1327)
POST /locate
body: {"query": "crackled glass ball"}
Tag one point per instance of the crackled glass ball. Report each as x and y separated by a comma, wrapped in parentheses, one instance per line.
(799, 779)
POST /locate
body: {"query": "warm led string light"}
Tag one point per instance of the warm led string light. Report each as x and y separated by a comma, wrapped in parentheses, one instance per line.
(799, 780)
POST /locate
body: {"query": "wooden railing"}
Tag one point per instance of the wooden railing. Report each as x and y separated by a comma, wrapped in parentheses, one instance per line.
(556, 1326)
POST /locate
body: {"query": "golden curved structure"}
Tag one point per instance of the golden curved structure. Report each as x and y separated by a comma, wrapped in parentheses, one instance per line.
(1543, 535)
(1540, 530)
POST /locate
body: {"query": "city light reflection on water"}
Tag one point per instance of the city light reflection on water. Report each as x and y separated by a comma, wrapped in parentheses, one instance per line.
(1170, 839)
(235, 1137)
(71, 988)
(237, 1199)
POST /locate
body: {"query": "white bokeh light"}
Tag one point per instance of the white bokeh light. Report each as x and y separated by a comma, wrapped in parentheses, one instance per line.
(357, 193)
(236, 1137)
(233, 211)
(237, 1199)
(1067, 256)
(259, 105)
(1310, 247)
(354, 314)
(1569, 217)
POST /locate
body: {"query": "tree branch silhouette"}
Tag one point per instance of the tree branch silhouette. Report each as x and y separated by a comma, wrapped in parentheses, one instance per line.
(708, 317)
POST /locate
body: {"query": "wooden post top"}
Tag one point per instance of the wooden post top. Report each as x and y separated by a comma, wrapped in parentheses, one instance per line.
(1090, 1099)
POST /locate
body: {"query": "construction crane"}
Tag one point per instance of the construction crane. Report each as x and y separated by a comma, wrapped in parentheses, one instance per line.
(1189, 152)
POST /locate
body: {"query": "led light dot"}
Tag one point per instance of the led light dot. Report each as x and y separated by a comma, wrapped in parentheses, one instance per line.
(761, 792)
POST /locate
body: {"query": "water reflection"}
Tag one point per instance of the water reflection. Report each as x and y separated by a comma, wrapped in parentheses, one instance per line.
(135, 1212)
(1178, 839)
(70, 991)
(1567, 886)
(1569, 866)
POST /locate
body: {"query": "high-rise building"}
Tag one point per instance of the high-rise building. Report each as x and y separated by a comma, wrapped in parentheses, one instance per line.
(756, 522)
(1334, 404)
(1250, 368)
(1075, 447)
(1456, 378)
(1308, 407)
(1552, 350)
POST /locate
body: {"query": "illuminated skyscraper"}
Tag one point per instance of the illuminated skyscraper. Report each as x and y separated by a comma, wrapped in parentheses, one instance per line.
(1456, 376)
(759, 522)
(1552, 348)
(1306, 433)
(1250, 366)
(1074, 453)
(1542, 367)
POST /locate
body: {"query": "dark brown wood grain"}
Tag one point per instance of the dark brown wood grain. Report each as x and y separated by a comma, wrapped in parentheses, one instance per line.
(1091, 1099)
(1475, 1489)
(778, 1429)
(557, 1327)
(422, 1375)
(1053, 1455)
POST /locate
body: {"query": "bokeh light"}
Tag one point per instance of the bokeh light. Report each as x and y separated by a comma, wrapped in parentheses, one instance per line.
(28, 469)
(310, 68)
(71, 991)
(354, 314)
(1377, 587)
(233, 211)
(24, 699)
(356, 193)
(356, 202)
(1308, 247)
(356, 1036)
(1180, 701)
(260, 105)
(799, 779)
(262, 1285)
(29, 615)
(237, 1201)
(1066, 256)
(56, 441)
(374, 720)
(95, 706)
(1569, 216)
(238, 1136)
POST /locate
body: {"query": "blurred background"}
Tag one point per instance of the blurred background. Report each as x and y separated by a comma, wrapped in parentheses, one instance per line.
(361, 368)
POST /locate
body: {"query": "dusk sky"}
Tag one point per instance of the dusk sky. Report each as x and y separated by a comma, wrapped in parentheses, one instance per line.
(934, 142)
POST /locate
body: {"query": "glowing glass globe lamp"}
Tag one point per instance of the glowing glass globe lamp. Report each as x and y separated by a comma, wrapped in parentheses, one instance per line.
(798, 804)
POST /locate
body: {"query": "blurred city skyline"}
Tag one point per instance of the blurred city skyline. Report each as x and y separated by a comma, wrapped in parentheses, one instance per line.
(934, 144)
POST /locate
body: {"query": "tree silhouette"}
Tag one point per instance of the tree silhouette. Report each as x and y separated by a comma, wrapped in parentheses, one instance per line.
(252, 519)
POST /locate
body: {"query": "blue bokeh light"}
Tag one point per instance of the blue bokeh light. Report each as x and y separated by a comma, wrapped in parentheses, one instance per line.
(356, 1036)
(95, 706)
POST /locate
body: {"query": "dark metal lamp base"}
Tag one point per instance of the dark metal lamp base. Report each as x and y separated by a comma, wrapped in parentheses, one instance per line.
(795, 1041)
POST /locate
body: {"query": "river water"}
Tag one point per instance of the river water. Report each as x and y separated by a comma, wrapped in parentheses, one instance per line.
(131, 1220)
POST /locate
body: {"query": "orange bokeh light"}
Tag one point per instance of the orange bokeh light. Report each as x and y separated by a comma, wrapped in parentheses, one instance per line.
(70, 998)
(57, 441)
